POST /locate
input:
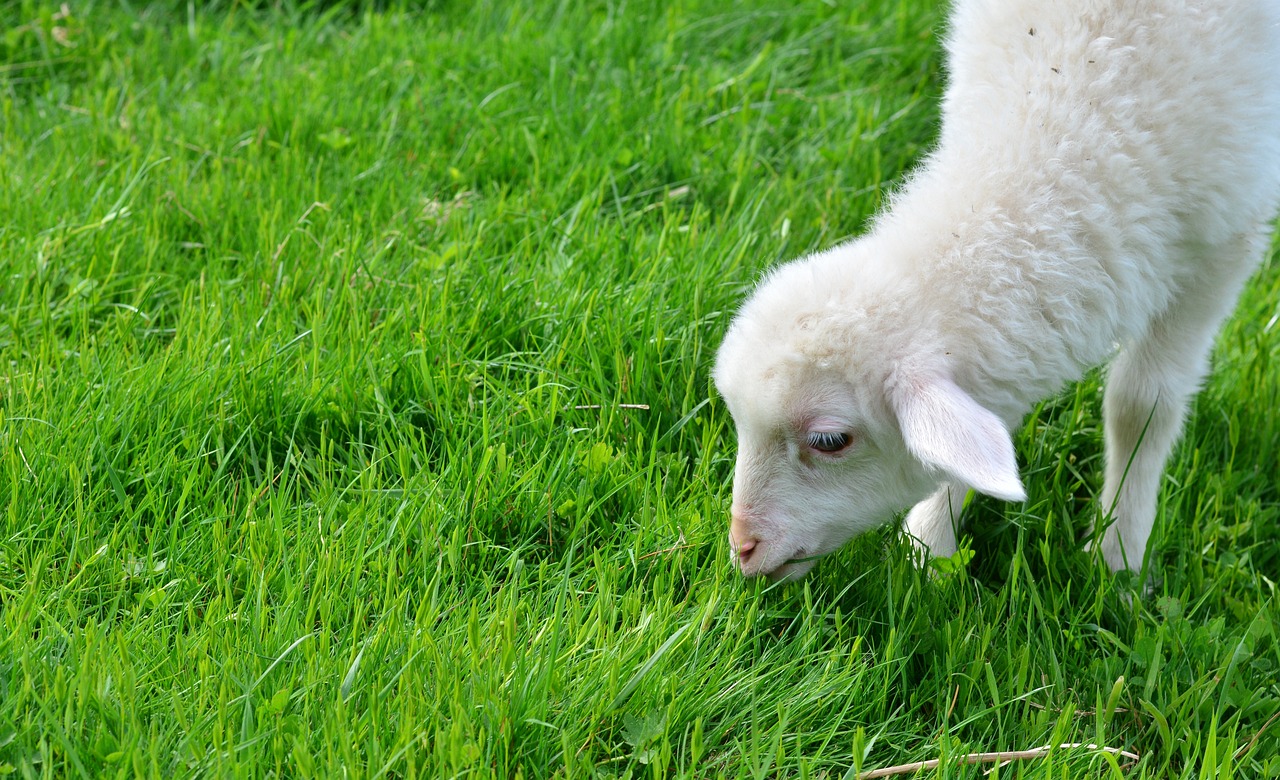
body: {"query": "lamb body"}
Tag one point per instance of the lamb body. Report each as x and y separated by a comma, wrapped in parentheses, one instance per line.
(1106, 176)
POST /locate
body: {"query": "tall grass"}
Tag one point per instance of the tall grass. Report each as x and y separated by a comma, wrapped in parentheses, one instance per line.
(355, 417)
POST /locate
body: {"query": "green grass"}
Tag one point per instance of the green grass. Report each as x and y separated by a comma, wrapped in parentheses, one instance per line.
(300, 304)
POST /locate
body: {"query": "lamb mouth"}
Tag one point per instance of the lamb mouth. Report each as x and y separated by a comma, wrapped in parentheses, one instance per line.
(785, 570)
(804, 559)
(792, 569)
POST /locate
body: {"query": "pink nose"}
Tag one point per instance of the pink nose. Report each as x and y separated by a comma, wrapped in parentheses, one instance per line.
(741, 540)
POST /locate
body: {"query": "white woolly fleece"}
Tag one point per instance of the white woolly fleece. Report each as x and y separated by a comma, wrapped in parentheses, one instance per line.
(1107, 174)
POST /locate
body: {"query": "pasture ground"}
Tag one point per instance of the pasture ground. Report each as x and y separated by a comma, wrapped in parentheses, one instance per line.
(355, 417)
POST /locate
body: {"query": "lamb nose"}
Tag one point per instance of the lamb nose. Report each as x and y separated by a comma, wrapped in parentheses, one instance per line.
(741, 540)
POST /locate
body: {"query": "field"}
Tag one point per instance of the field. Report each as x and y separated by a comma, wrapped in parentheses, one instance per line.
(355, 418)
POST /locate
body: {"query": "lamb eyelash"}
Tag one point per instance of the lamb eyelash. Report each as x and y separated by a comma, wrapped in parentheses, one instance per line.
(827, 441)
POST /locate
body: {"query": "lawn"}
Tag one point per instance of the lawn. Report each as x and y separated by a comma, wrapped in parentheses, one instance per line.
(355, 417)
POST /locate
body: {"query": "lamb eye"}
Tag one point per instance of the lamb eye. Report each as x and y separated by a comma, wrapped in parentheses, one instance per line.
(829, 442)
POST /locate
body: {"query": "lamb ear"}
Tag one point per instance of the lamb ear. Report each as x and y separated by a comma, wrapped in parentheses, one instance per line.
(948, 430)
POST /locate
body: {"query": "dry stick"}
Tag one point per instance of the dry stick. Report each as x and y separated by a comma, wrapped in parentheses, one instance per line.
(1250, 744)
(679, 545)
(677, 548)
(1080, 713)
(987, 758)
(550, 541)
(952, 708)
(32, 472)
(591, 407)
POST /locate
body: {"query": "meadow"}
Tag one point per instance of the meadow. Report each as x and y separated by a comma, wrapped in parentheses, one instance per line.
(355, 418)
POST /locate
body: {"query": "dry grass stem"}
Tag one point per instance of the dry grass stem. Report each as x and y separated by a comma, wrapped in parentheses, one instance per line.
(1249, 745)
(988, 758)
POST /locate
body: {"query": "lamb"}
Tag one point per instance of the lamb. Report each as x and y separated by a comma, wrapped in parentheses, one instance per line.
(1104, 184)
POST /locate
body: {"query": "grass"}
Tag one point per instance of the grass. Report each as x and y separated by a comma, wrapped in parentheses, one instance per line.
(316, 331)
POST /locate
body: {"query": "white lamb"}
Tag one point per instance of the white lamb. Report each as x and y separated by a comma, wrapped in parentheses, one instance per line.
(1107, 174)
